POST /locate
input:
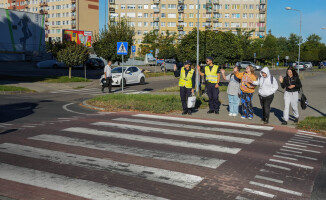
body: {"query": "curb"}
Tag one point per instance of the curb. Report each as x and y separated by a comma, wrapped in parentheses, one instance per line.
(92, 107)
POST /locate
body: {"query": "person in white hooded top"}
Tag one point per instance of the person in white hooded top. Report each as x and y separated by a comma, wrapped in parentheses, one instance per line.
(267, 87)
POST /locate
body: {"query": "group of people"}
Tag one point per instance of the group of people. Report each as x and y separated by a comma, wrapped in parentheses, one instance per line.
(241, 88)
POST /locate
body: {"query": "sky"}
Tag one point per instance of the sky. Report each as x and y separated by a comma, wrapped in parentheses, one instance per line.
(280, 21)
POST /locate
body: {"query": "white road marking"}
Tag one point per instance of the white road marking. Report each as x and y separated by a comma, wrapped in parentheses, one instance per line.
(264, 194)
(299, 152)
(5, 124)
(292, 164)
(73, 186)
(276, 156)
(313, 145)
(25, 126)
(307, 132)
(276, 188)
(65, 108)
(269, 179)
(313, 136)
(235, 131)
(149, 173)
(278, 167)
(310, 139)
(241, 198)
(301, 149)
(296, 145)
(201, 121)
(130, 150)
(298, 156)
(155, 140)
(176, 132)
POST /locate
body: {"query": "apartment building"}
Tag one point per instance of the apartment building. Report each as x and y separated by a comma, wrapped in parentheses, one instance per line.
(180, 16)
(60, 14)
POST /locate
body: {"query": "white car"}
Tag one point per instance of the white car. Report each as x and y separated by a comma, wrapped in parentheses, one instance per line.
(300, 66)
(131, 75)
(50, 64)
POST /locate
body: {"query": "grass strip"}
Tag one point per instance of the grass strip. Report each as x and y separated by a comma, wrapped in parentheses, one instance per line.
(158, 74)
(177, 89)
(59, 79)
(141, 102)
(64, 79)
(7, 88)
(316, 124)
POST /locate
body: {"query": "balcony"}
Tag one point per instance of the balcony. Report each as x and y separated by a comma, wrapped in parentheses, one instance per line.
(262, 20)
(261, 29)
(46, 27)
(156, 28)
(14, 7)
(156, 10)
(73, 25)
(181, 2)
(112, 10)
(156, 1)
(180, 37)
(215, 19)
(262, 10)
(156, 19)
(216, 2)
(73, 17)
(208, 20)
(73, 1)
(262, 2)
(180, 19)
(111, 2)
(46, 35)
(181, 8)
(26, 5)
(42, 12)
(73, 9)
(180, 27)
(43, 4)
(208, 27)
(46, 19)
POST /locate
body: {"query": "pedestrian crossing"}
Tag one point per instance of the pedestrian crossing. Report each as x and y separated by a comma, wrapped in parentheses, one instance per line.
(95, 91)
(159, 154)
(273, 180)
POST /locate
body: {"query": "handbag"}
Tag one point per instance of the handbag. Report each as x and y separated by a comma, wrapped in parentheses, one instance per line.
(191, 102)
(303, 101)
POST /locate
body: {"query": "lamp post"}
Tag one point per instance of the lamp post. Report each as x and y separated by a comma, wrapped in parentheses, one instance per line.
(197, 74)
(289, 8)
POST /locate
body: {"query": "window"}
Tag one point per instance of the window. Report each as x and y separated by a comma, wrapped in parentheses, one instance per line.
(227, 6)
(172, 15)
(131, 15)
(236, 16)
(191, 6)
(245, 6)
(140, 15)
(251, 15)
(251, 6)
(172, 24)
(244, 25)
(162, 24)
(235, 6)
(172, 6)
(145, 15)
(191, 15)
(163, 6)
(191, 24)
(145, 24)
(140, 6)
(227, 16)
(145, 6)
(123, 6)
(131, 6)
(139, 41)
(244, 15)
(139, 25)
(226, 24)
(235, 25)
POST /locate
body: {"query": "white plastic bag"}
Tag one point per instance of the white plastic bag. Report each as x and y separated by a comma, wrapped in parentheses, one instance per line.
(191, 101)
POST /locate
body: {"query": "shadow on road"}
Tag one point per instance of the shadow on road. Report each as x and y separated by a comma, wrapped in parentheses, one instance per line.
(10, 112)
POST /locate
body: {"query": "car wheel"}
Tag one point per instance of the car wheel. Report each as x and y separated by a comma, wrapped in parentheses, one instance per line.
(142, 81)
(124, 83)
(162, 68)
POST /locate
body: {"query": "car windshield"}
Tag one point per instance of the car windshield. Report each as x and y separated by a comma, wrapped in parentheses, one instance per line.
(118, 70)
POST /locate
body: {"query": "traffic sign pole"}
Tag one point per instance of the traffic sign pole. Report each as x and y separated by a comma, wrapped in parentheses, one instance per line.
(122, 76)
(122, 49)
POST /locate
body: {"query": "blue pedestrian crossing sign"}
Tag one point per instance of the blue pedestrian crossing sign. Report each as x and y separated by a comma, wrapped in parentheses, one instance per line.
(133, 49)
(122, 48)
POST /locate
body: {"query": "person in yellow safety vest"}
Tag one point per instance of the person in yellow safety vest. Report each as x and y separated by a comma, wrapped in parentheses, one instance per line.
(212, 73)
(186, 83)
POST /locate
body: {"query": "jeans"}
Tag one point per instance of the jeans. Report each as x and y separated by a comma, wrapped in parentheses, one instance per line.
(265, 103)
(233, 104)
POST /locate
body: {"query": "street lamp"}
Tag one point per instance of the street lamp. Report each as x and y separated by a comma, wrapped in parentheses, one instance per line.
(197, 74)
(289, 8)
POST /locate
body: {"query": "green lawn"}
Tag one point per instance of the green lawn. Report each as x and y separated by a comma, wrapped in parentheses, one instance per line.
(317, 124)
(177, 89)
(64, 79)
(141, 102)
(7, 88)
(157, 74)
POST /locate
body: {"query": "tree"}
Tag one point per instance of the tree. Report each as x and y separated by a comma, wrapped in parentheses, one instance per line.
(55, 47)
(105, 44)
(313, 49)
(73, 55)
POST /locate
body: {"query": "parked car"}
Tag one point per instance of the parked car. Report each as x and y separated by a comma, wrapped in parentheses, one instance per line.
(169, 64)
(307, 65)
(94, 63)
(131, 75)
(244, 64)
(159, 61)
(300, 66)
(50, 64)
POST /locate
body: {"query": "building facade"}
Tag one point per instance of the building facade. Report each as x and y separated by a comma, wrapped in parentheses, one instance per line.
(180, 16)
(60, 14)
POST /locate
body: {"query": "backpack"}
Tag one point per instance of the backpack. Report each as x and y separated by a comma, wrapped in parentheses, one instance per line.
(272, 78)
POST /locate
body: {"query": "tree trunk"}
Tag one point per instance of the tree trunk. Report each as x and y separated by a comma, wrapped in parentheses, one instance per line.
(69, 72)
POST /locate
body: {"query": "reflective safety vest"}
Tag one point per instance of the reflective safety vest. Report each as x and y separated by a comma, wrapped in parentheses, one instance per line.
(186, 81)
(211, 76)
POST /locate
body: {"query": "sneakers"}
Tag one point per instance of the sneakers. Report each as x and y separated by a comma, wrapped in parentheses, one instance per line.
(266, 122)
(189, 112)
(284, 123)
(243, 117)
(210, 111)
(184, 112)
(250, 118)
(217, 112)
(234, 114)
(296, 120)
(230, 114)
